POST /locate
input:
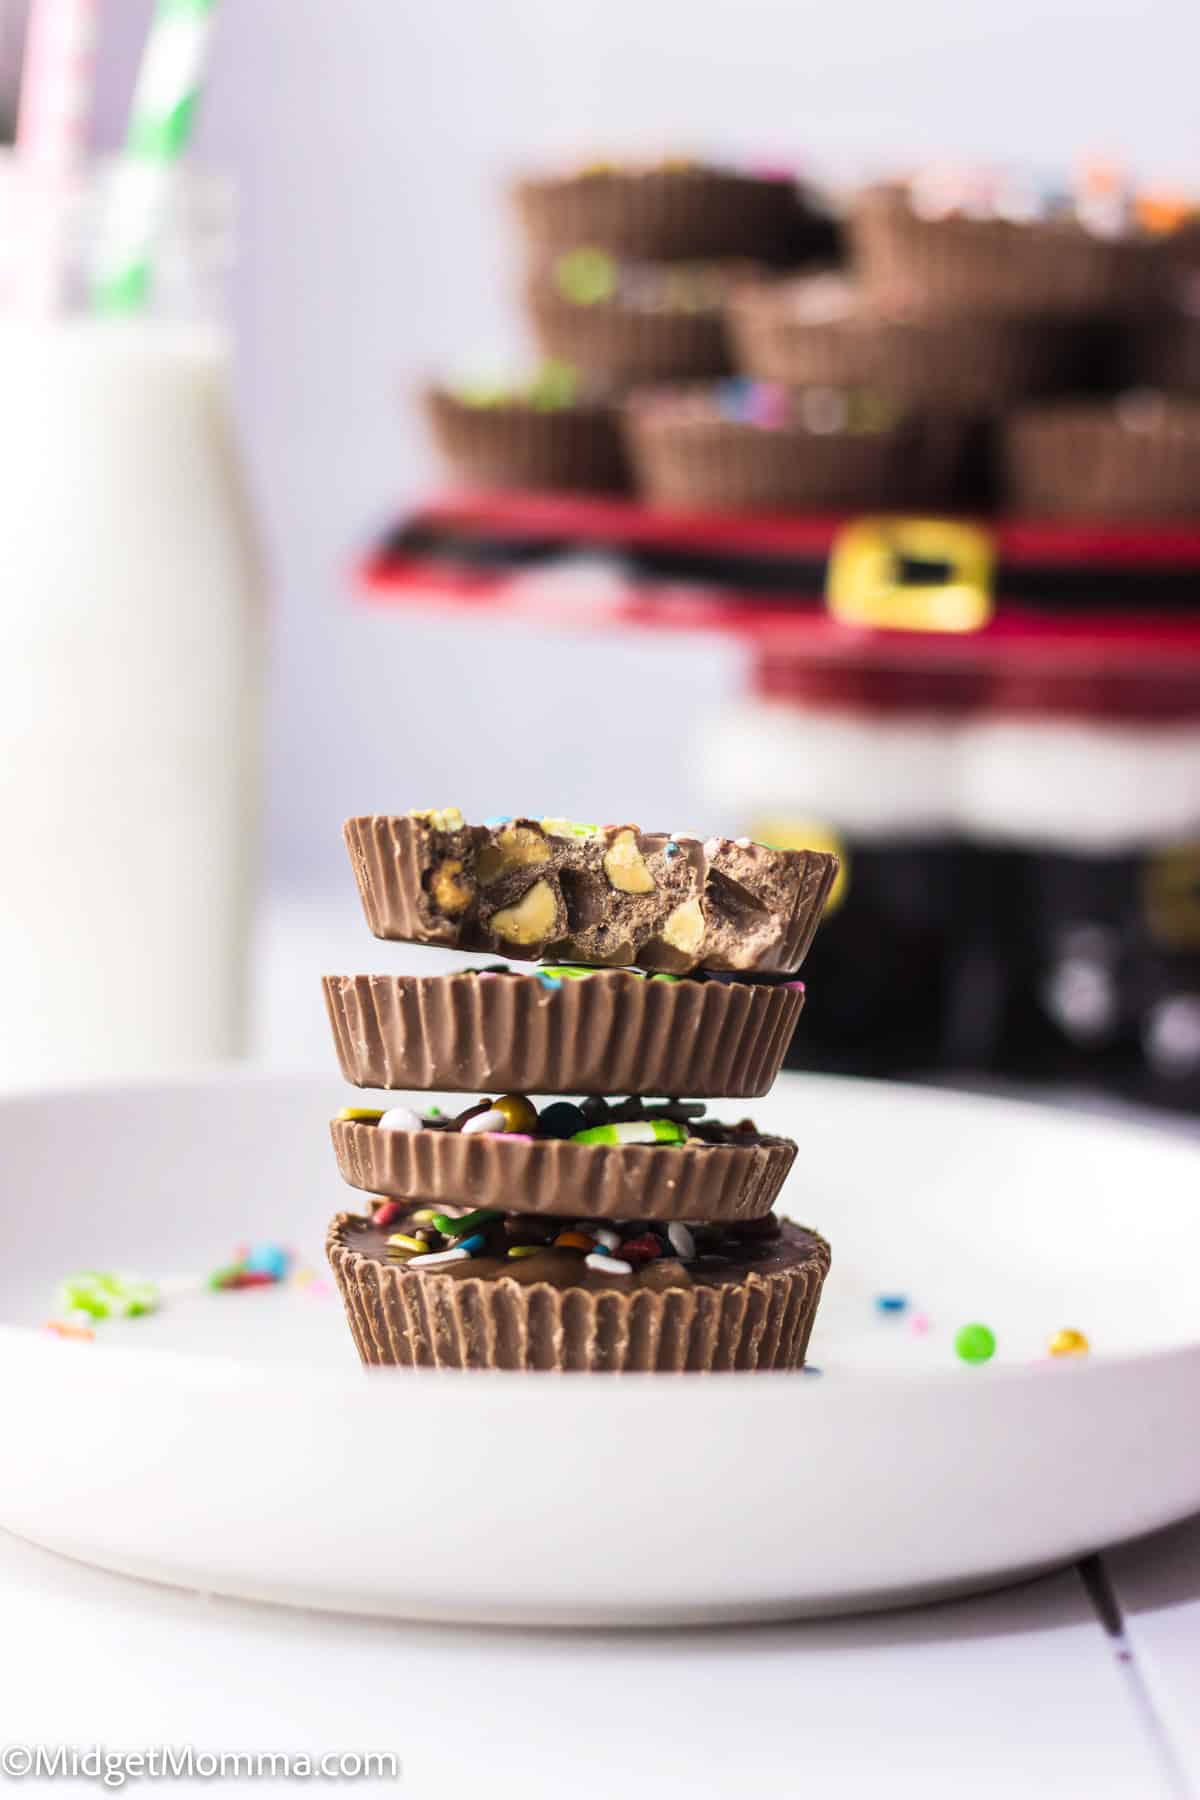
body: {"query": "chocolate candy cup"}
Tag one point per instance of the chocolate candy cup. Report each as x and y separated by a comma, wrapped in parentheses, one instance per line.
(956, 264)
(669, 213)
(514, 444)
(667, 1318)
(1085, 461)
(697, 1180)
(615, 342)
(968, 363)
(693, 458)
(611, 1032)
(516, 890)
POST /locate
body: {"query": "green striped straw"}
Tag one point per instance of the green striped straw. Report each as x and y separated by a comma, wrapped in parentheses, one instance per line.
(160, 124)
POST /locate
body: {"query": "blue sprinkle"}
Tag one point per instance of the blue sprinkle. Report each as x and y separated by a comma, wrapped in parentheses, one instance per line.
(733, 396)
(500, 819)
(810, 1369)
(268, 1259)
(474, 1243)
(671, 849)
(891, 1303)
(549, 981)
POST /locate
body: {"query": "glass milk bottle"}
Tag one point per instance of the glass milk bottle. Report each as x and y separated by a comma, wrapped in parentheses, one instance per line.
(129, 671)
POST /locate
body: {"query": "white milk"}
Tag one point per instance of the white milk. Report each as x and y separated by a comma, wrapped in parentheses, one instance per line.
(129, 674)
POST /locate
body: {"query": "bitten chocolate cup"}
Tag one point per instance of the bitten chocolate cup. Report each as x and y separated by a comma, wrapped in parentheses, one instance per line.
(610, 1032)
(514, 444)
(736, 1179)
(614, 896)
(666, 213)
(754, 1313)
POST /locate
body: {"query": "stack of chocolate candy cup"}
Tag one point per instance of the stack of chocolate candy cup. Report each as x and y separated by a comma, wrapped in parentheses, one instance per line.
(617, 1233)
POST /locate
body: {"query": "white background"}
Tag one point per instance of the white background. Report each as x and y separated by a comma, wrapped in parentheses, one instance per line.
(370, 139)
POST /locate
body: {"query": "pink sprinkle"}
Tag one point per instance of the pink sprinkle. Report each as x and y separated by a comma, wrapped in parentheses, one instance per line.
(512, 1137)
(317, 1288)
(796, 986)
(920, 1323)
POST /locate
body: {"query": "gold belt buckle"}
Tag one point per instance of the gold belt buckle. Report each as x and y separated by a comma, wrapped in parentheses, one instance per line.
(899, 574)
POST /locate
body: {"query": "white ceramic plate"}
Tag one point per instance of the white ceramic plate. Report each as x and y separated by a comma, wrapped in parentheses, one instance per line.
(232, 1442)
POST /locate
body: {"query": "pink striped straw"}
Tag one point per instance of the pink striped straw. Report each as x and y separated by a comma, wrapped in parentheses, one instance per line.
(52, 129)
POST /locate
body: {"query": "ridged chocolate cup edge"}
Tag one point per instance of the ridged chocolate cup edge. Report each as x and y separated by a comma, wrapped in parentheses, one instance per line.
(719, 1182)
(610, 1033)
(397, 1319)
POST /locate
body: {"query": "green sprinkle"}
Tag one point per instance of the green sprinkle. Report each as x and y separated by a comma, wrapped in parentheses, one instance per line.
(468, 1223)
(666, 978)
(586, 275)
(524, 1249)
(555, 385)
(433, 1112)
(975, 1344)
(105, 1296)
(482, 393)
(568, 828)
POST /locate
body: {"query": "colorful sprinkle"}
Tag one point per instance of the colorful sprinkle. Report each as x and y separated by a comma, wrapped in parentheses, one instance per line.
(634, 1131)
(439, 1256)
(400, 1240)
(491, 1120)
(472, 1245)
(574, 1240)
(519, 1250)
(607, 1265)
(1068, 1343)
(102, 1295)
(386, 1213)
(586, 275)
(562, 1120)
(361, 1115)
(891, 1303)
(920, 1324)
(975, 1343)
(269, 1259)
(644, 1248)
(61, 1329)
(520, 1114)
(467, 1222)
(605, 1238)
(681, 1240)
(400, 1118)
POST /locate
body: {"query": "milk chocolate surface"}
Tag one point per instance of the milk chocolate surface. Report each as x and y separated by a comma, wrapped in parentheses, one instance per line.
(609, 1032)
(612, 895)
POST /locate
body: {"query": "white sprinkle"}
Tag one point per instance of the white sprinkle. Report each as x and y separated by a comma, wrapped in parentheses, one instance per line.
(493, 1120)
(610, 1239)
(400, 1118)
(743, 843)
(436, 1256)
(599, 1260)
(682, 1241)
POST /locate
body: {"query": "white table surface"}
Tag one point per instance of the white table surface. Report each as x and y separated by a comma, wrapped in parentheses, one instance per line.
(1033, 1691)
(1020, 1693)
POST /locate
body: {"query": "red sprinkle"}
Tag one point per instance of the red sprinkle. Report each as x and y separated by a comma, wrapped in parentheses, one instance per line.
(641, 1249)
(252, 1278)
(386, 1213)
